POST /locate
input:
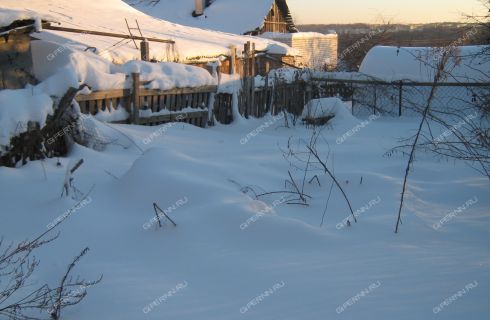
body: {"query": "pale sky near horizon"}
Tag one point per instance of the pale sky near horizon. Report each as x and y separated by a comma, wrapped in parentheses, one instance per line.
(374, 11)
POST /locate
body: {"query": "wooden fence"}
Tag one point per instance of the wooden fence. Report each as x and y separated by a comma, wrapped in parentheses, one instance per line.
(401, 97)
(165, 105)
(367, 96)
(290, 97)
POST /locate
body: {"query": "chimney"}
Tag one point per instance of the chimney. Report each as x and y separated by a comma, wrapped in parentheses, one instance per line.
(199, 11)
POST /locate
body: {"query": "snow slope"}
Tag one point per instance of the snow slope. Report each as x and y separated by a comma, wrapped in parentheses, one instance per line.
(16, 111)
(109, 15)
(232, 257)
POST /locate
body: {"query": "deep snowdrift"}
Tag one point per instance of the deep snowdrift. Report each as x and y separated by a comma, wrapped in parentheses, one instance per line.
(229, 249)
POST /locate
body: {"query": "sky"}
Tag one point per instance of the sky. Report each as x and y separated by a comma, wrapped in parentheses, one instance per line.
(377, 11)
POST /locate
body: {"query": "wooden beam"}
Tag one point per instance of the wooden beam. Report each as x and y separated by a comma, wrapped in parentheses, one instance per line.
(106, 34)
(102, 95)
(135, 110)
(157, 92)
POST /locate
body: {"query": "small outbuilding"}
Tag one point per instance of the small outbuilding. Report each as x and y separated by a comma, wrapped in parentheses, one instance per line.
(315, 50)
(16, 67)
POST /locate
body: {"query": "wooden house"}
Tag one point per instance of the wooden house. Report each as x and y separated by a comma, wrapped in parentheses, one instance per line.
(248, 17)
(315, 50)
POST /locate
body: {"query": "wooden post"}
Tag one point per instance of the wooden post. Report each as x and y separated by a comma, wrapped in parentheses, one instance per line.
(135, 95)
(266, 93)
(267, 67)
(253, 107)
(400, 99)
(246, 79)
(375, 98)
(246, 52)
(232, 59)
(252, 62)
(145, 50)
(353, 97)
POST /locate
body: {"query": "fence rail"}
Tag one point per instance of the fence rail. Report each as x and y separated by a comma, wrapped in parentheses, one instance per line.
(152, 106)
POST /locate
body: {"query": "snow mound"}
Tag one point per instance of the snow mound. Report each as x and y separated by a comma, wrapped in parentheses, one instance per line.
(17, 108)
(168, 75)
(325, 107)
(467, 64)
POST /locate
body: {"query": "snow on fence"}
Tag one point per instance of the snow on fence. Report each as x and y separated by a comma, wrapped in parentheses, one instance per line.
(290, 97)
(367, 97)
(149, 106)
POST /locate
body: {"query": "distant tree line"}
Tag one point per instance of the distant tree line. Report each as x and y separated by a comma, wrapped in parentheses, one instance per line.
(366, 36)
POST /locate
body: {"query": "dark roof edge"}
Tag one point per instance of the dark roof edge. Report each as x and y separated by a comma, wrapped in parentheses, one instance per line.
(283, 6)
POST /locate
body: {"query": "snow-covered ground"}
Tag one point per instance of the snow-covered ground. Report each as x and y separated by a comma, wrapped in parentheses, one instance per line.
(233, 257)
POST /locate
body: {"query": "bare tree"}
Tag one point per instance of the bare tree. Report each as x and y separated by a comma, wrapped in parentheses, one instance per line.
(439, 74)
(466, 124)
(19, 299)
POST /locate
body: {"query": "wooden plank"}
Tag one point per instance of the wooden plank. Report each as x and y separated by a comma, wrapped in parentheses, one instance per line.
(232, 59)
(152, 103)
(126, 103)
(153, 92)
(156, 104)
(171, 102)
(83, 107)
(162, 103)
(135, 98)
(194, 100)
(106, 34)
(92, 107)
(155, 119)
(107, 94)
(201, 100)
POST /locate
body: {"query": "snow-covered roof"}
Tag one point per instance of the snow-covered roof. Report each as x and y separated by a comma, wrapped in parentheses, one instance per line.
(466, 64)
(109, 16)
(297, 35)
(9, 16)
(234, 16)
